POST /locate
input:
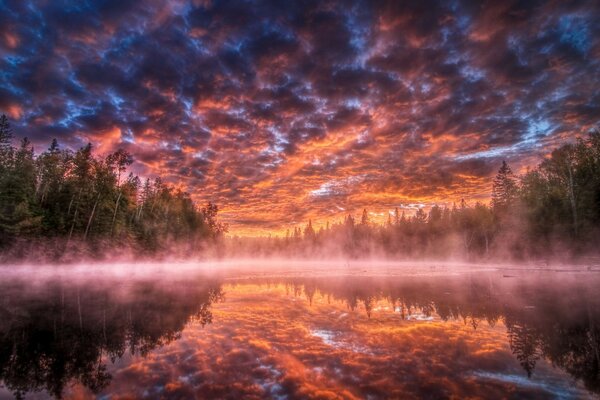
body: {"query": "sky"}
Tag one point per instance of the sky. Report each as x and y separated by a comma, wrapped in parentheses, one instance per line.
(284, 111)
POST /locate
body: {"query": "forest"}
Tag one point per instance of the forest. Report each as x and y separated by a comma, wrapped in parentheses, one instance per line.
(68, 205)
(552, 212)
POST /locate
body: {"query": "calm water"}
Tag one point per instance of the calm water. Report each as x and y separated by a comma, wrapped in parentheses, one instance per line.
(315, 332)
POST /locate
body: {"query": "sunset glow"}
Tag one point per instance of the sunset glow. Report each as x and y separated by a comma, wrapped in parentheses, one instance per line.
(281, 112)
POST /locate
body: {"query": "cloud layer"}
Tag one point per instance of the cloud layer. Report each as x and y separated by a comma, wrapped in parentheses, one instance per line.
(284, 111)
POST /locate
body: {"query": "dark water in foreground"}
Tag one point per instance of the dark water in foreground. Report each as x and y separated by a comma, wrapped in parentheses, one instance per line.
(342, 334)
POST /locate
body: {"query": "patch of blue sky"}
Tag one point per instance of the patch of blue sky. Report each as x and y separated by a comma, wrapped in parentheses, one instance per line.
(336, 186)
(14, 61)
(7, 73)
(353, 103)
(454, 57)
(426, 87)
(463, 22)
(559, 94)
(5, 84)
(115, 99)
(514, 44)
(326, 189)
(170, 145)
(119, 45)
(574, 31)
(236, 44)
(39, 20)
(127, 135)
(280, 141)
(198, 45)
(358, 38)
(188, 108)
(471, 73)
(445, 34)
(491, 153)
(72, 112)
(536, 130)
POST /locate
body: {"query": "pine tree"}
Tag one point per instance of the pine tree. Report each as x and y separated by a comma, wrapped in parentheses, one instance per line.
(17, 212)
(309, 232)
(364, 219)
(6, 149)
(504, 189)
(420, 216)
(349, 222)
(53, 195)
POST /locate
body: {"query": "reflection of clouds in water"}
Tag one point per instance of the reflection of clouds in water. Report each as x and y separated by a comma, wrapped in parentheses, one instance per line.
(326, 336)
(264, 345)
(555, 388)
(419, 317)
(336, 339)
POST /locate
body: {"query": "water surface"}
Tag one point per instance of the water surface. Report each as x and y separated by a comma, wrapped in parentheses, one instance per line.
(352, 331)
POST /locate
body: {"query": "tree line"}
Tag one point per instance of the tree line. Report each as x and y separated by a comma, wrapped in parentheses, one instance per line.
(64, 203)
(552, 210)
(72, 204)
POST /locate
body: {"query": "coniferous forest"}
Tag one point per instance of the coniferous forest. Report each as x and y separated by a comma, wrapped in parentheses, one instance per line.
(552, 212)
(67, 205)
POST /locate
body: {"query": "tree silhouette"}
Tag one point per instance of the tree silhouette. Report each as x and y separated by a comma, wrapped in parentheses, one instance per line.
(504, 189)
(52, 337)
(69, 204)
(5, 143)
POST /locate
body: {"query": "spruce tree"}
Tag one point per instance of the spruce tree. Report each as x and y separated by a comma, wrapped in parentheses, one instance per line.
(309, 232)
(6, 149)
(364, 219)
(504, 189)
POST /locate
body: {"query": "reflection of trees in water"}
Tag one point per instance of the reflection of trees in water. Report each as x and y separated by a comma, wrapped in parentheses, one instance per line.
(525, 346)
(556, 321)
(561, 326)
(59, 333)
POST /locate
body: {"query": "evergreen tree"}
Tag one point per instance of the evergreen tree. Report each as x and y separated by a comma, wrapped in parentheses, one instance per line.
(504, 189)
(18, 216)
(309, 232)
(420, 216)
(349, 222)
(79, 197)
(6, 149)
(364, 219)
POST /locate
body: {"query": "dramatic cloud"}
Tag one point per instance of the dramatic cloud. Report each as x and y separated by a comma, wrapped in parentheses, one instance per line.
(284, 111)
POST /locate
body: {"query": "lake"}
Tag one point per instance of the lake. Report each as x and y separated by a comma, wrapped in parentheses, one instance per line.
(299, 330)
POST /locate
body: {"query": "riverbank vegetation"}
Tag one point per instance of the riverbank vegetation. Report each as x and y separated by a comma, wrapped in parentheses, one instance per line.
(63, 204)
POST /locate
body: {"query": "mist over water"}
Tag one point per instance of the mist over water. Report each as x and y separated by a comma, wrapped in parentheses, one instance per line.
(299, 330)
